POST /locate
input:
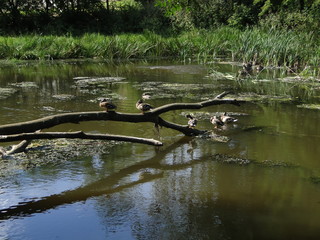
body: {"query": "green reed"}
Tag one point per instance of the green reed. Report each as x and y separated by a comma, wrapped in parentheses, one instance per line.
(272, 47)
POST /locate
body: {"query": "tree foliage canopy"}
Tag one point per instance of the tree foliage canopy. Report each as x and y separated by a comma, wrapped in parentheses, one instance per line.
(110, 16)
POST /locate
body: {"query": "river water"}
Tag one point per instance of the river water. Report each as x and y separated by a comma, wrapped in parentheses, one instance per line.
(264, 183)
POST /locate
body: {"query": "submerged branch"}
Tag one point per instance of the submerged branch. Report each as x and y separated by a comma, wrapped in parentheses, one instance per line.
(78, 134)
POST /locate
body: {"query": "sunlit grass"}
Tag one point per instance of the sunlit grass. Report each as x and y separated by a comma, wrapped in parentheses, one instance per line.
(273, 47)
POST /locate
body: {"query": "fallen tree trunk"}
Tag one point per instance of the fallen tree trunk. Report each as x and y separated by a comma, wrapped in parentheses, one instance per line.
(152, 116)
(30, 130)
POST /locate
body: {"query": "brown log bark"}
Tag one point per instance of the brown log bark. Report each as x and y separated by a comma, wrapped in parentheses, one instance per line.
(152, 116)
(30, 130)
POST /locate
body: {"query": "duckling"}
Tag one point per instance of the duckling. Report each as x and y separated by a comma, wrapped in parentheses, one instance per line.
(107, 104)
(192, 121)
(142, 106)
(227, 119)
(216, 121)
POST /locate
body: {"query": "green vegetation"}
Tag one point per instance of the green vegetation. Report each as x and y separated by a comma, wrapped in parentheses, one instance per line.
(273, 33)
(272, 47)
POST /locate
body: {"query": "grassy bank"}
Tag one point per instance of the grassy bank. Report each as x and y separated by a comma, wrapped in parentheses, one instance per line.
(272, 47)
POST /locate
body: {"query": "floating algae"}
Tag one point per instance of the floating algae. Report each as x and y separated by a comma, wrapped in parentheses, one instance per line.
(24, 85)
(100, 82)
(44, 152)
(7, 92)
(310, 106)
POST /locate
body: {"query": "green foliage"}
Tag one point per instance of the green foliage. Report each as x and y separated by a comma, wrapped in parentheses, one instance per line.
(242, 16)
(87, 16)
(272, 47)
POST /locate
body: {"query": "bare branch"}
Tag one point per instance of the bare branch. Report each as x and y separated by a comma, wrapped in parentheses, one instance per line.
(181, 128)
(19, 147)
(78, 134)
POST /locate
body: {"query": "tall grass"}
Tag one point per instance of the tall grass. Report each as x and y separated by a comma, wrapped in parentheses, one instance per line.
(272, 47)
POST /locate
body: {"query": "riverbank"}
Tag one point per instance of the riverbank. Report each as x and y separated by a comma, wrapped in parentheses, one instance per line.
(268, 47)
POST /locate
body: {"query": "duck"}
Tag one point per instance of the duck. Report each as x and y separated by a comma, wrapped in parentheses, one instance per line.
(216, 121)
(227, 119)
(107, 104)
(146, 95)
(142, 106)
(259, 67)
(192, 121)
(247, 67)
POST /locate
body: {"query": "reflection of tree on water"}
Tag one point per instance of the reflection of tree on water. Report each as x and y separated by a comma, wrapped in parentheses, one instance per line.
(180, 206)
(158, 207)
(164, 211)
(107, 185)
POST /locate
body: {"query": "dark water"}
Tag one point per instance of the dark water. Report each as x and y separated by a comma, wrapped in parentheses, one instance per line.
(182, 190)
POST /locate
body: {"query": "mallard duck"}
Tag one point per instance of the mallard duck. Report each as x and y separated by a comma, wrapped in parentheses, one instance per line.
(192, 121)
(107, 104)
(247, 67)
(227, 119)
(259, 68)
(146, 95)
(216, 121)
(142, 106)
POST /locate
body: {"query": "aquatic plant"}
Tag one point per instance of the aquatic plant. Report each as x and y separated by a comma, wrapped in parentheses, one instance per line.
(269, 47)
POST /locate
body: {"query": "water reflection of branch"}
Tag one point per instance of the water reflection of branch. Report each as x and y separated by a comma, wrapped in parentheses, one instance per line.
(101, 187)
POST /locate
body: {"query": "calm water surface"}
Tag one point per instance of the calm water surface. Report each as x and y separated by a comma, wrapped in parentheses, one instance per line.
(179, 191)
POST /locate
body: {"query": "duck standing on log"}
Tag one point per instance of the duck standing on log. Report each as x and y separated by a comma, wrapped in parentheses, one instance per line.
(107, 104)
(227, 119)
(142, 106)
(146, 95)
(216, 121)
(192, 121)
